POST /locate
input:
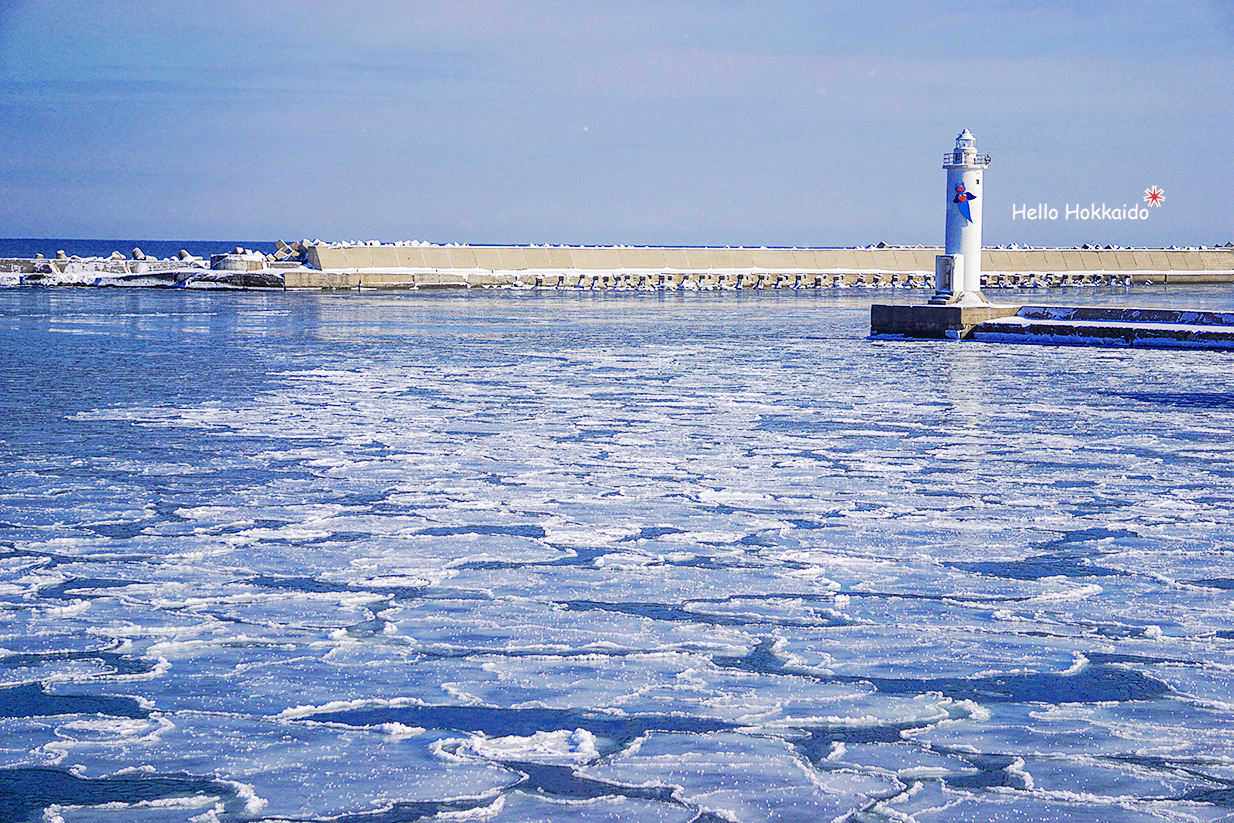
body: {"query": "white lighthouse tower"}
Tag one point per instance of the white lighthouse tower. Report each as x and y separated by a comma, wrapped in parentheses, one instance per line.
(957, 272)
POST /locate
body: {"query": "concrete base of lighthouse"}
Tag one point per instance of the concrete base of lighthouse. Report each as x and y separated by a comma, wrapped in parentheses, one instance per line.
(953, 321)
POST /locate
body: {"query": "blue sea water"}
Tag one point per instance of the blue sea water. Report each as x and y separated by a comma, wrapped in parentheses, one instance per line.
(27, 247)
(532, 556)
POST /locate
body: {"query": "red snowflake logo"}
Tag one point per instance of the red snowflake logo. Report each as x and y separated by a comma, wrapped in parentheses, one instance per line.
(1153, 196)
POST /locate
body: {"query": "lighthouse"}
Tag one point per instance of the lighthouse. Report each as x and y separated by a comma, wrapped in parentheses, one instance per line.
(957, 272)
(958, 306)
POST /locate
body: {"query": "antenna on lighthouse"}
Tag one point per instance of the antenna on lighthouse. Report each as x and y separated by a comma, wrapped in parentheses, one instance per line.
(957, 272)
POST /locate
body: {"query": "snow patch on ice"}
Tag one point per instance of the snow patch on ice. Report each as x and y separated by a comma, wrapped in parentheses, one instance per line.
(561, 746)
(307, 711)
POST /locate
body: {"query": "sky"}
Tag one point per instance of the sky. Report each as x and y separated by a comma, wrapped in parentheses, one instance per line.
(643, 122)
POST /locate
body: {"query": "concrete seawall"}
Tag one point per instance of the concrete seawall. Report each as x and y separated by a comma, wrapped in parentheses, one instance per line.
(613, 267)
(306, 266)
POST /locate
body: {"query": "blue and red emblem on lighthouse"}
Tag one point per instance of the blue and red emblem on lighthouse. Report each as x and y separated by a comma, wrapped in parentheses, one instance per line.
(962, 196)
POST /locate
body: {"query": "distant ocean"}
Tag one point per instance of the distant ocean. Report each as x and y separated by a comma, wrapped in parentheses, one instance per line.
(48, 246)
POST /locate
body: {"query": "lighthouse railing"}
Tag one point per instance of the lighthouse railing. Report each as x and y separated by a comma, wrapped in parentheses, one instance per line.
(957, 158)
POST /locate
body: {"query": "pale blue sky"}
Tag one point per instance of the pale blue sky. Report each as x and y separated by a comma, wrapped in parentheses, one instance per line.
(640, 122)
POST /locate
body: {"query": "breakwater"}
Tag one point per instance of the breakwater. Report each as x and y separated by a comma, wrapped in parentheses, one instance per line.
(649, 267)
(329, 266)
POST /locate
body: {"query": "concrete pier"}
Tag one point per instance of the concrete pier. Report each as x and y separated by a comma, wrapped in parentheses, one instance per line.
(1058, 325)
(1105, 326)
